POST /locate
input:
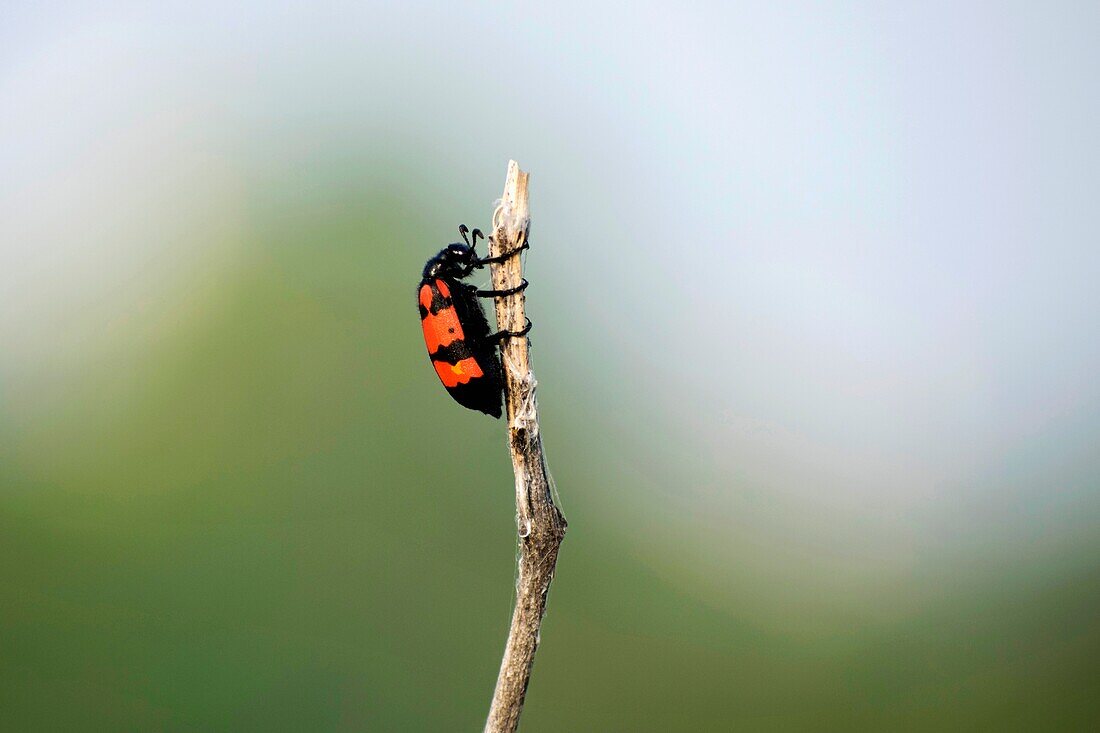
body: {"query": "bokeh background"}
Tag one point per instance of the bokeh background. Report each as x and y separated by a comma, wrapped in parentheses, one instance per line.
(816, 305)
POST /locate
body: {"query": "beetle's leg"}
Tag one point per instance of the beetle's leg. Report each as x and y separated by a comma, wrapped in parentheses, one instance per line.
(503, 257)
(501, 293)
(501, 335)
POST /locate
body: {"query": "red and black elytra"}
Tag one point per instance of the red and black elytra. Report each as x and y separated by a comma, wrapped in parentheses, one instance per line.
(456, 332)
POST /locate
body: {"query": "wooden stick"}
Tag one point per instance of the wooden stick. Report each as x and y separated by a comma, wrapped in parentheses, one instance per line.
(539, 521)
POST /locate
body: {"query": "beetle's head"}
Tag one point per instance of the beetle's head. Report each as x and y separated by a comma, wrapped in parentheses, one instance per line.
(455, 260)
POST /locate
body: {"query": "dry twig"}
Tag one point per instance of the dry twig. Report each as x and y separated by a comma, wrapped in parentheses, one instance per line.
(540, 522)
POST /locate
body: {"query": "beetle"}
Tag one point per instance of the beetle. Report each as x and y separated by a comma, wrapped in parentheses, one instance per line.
(456, 331)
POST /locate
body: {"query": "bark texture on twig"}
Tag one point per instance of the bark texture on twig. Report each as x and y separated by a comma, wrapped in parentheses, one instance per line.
(539, 521)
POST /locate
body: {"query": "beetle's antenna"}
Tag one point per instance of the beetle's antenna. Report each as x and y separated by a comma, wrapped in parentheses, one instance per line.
(464, 231)
(474, 235)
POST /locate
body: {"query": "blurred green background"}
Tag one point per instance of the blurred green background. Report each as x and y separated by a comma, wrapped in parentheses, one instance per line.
(815, 306)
